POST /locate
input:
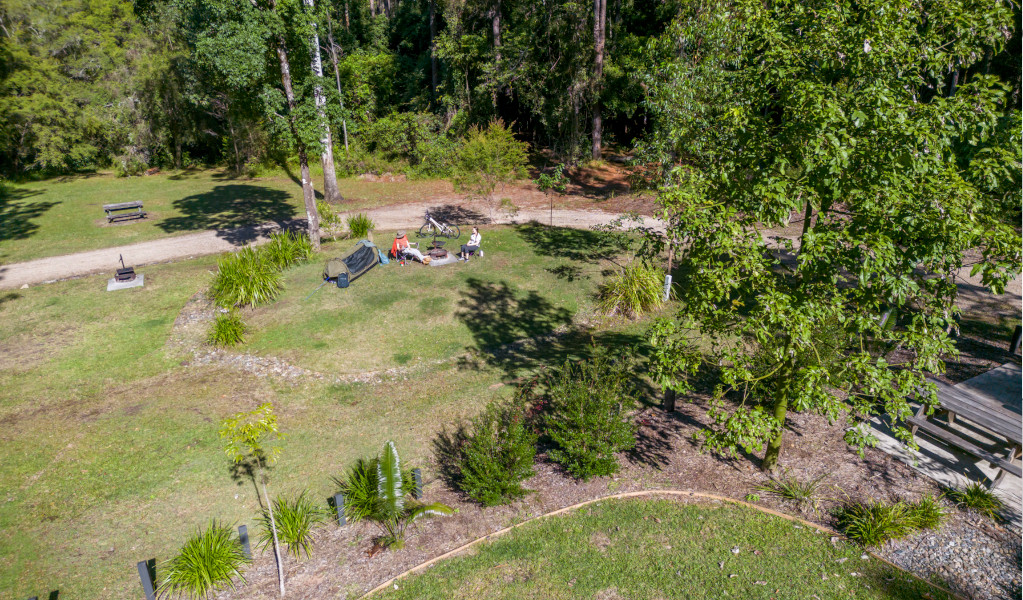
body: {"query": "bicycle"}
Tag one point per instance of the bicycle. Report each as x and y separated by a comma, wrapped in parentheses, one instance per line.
(431, 228)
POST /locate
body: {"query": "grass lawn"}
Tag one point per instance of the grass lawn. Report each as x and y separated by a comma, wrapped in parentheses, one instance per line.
(64, 215)
(657, 549)
(109, 452)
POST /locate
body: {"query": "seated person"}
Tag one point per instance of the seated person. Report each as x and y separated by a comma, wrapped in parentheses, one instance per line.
(402, 247)
(472, 246)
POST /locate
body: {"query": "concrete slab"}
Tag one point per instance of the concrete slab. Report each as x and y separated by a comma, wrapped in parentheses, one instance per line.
(440, 262)
(113, 284)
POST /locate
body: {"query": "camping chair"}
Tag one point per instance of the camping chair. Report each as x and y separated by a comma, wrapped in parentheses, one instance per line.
(401, 254)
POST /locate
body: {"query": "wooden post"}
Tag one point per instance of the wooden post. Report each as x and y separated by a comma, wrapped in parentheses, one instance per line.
(1014, 343)
(339, 506)
(146, 577)
(417, 486)
(669, 401)
(243, 537)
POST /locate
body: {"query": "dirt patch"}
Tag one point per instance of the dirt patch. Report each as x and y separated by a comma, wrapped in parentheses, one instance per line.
(600, 540)
(103, 222)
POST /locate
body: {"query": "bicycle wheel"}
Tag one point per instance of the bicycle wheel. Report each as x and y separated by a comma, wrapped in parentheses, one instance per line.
(426, 230)
(453, 232)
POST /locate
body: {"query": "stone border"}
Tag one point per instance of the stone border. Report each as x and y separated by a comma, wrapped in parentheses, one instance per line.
(670, 493)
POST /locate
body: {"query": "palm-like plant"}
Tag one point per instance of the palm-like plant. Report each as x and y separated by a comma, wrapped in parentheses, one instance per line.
(392, 512)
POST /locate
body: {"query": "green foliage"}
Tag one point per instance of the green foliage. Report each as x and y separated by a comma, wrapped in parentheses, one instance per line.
(245, 278)
(635, 290)
(554, 181)
(285, 249)
(874, 523)
(295, 520)
(751, 497)
(328, 216)
(359, 225)
(496, 455)
(780, 120)
(789, 487)
(489, 158)
(391, 511)
(359, 486)
(416, 139)
(252, 435)
(589, 416)
(977, 498)
(207, 562)
(226, 330)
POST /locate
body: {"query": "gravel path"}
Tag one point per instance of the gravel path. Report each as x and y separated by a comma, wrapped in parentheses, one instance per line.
(70, 266)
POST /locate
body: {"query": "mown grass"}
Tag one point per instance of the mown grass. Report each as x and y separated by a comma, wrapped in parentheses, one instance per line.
(109, 452)
(657, 549)
(65, 215)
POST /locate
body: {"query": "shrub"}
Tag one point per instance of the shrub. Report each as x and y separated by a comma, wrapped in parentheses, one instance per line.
(803, 493)
(874, 523)
(360, 225)
(206, 563)
(978, 498)
(359, 487)
(295, 520)
(227, 330)
(589, 417)
(328, 216)
(286, 248)
(634, 291)
(244, 278)
(497, 455)
(489, 158)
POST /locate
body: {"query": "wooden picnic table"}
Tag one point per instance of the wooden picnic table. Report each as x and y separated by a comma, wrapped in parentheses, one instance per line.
(120, 210)
(980, 409)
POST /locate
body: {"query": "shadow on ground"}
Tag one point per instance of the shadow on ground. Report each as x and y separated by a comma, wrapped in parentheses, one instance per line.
(458, 215)
(228, 207)
(582, 245)
(17, 213)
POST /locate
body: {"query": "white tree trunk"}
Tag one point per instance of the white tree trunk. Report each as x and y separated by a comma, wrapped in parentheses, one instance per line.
(330, 189)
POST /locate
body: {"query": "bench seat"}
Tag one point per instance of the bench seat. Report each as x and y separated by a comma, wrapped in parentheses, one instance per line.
(1000, 462)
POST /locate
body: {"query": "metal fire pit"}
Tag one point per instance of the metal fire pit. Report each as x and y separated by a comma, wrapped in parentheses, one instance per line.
(124, 273)
(438, 253)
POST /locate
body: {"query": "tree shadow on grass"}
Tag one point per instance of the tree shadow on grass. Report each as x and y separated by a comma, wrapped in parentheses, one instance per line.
(228, 207)
(581, 245)
(17, 213)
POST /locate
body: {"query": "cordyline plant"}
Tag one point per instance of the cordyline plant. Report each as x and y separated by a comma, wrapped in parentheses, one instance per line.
(874, 124)
(252, 437)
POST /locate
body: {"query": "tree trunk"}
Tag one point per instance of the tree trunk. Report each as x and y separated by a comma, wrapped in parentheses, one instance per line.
(433, 52)
(273, 529)
(330, 190)
(781, 408)
(495, 27)
(599, 32)
(308, 194)
(337, 74)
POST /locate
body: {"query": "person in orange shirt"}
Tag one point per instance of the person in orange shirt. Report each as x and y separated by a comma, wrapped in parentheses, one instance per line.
(402, 246)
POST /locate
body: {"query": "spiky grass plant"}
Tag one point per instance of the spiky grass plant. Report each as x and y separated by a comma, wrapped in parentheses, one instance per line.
(790, 487)
(244, 278)
(286, 248)
(296, 520)
(977, 498)
(227, 329)
(360, 225)
(637, 289)
(874, 523)
(207, 562)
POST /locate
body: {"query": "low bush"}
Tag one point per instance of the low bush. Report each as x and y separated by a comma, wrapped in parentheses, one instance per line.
(589, 416)
(328, 216)
(358, 485)
(874, 523)
(360, 225)
(244, 278)
(286, 248)
(977, 498)
(207, 562)
(803, 493)
(295, 520)
(226, 330)
(637, 289)
(497, 455)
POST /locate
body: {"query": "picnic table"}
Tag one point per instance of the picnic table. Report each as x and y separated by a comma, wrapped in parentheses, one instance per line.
(990, 401)
(120, 210)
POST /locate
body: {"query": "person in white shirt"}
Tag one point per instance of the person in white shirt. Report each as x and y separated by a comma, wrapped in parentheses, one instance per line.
(472, 246)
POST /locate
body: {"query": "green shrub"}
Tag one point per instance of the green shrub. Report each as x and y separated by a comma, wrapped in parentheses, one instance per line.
(226, 330)
(244, 278)
(497, 455)
(286, 248)
(360, 225)
(589, 417)
(874, 523)
(295, 520)
(207, 562)
(415, 139)
(328, 216)
(359, 486)
(977, 498)
(803, 493)
(636, 290)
